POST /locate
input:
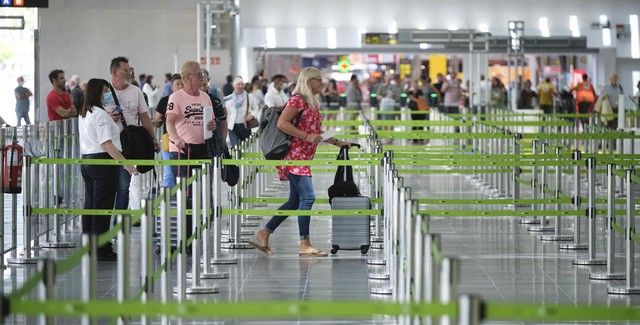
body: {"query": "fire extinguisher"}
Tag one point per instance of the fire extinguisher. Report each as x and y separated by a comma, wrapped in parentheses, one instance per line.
(12, 167)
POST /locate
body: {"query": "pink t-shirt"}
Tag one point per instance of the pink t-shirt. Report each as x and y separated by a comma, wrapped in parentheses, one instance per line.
(189, 111)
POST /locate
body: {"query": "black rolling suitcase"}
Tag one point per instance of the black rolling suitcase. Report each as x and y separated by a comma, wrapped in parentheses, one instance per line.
(348, 232)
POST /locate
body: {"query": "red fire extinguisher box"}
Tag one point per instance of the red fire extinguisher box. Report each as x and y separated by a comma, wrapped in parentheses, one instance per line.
(12, 168)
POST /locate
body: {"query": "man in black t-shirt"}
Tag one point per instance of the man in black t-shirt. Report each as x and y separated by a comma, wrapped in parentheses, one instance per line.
(227, 89)
(159, 120)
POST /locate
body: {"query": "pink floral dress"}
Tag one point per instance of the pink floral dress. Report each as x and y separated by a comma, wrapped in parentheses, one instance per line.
(309, 121)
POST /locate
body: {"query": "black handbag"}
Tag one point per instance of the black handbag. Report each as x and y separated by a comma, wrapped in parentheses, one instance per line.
(241, 131)
(136, 141)
(343, 184)
(216, 146)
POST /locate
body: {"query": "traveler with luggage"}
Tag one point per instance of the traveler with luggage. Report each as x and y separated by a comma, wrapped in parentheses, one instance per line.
(302, 121)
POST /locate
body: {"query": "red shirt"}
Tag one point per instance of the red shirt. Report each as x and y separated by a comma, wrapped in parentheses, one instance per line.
(309, 121)
(55, 100)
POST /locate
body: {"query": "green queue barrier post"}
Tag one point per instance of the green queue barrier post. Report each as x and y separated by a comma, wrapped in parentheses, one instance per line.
(534, 187)
(89, 273)
(391, 210)
(209, 203)
(180, 290)
(235, 240)
(630, 287)
(2, 265)
(58, 221)
(165, 248)
(543, 226)
(27, 255)
(377, 237)
(610, 273)
(449, 279)
(591, 214)
(576, 244)
(123, 271)
(386, 190)
(218, 258)
(197, 287)
(46, 288)
(557, 224)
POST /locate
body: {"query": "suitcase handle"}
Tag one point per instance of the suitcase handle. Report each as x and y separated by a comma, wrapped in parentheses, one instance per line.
(357, 145)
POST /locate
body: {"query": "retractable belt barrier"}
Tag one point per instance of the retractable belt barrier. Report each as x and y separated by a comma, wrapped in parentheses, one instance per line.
(421, 280)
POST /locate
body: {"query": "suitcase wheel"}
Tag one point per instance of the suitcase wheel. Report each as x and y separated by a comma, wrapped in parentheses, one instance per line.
(334, 249)
(364, 249)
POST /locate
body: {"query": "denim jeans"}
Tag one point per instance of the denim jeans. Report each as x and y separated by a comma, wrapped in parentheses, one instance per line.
(122, 191)
(168, 178)
(301, 197)
(22, 114)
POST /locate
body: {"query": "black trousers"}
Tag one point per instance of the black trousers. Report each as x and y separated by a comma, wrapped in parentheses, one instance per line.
(100, 184)
(187, 171)
(583, 108)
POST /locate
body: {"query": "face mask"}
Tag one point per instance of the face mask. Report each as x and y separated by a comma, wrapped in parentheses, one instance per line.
(107, 98)
(393, 82)
(21, 83)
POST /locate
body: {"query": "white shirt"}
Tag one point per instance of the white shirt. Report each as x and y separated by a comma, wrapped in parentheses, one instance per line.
(236, 115)
(482, 93)
(152, 94)
(96, 128)
(132, 102)
(387, 104)
(274, 97)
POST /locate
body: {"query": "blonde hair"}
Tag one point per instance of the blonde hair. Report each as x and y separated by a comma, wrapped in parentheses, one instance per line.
(187, 67)
(302, 86)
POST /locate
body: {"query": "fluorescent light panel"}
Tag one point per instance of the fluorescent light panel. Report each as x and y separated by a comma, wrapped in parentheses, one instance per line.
(574, 26)
(301, 37)
(635, 76)
(606, 37)
(635, 36)
(361, 32)
(603, 20)
(331, 38)
(393, 29)
(543, 25)
(270, 33)
(424, 46)
(244, 63)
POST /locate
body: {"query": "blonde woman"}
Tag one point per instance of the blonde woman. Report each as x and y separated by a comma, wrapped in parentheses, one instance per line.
(301, 120)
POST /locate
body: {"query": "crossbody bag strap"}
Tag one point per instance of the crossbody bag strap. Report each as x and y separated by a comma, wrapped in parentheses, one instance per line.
(115, 100)
(247, 110)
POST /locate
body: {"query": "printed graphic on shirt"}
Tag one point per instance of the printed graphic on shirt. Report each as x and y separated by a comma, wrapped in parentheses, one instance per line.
(194, 112)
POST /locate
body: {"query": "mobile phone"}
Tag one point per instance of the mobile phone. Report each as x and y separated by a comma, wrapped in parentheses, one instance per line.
(117, 109)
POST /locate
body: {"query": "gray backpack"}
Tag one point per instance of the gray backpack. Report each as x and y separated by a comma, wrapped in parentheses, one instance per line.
(273, 142)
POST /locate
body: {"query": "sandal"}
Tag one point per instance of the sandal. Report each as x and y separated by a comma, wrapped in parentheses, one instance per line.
(264, 249)
(314, 253)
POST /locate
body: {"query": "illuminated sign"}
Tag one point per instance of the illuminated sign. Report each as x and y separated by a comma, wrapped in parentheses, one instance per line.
(25, 3)
(380, 38)
(344, 65)
(516, 36)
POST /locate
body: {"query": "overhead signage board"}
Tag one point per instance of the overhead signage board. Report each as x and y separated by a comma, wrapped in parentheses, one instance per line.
(380, 39)
(516, 37)
(24, 3)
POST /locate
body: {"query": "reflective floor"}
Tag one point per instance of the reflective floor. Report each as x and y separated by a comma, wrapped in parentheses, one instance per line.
(500, 261)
